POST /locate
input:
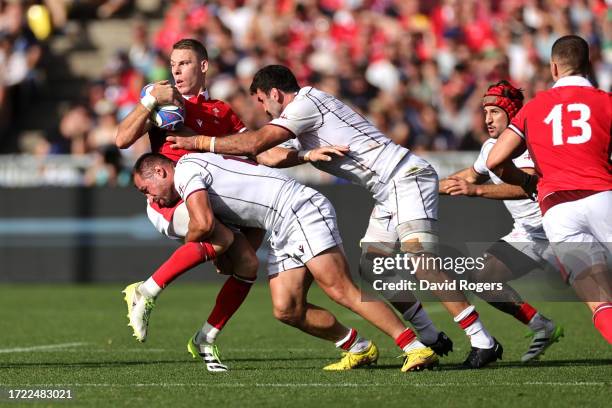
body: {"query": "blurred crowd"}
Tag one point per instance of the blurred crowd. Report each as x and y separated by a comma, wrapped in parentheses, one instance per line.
(416, 68)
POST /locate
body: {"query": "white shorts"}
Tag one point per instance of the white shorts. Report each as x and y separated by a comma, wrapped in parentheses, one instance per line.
(580, 231)
(537, 249)
(408, 204)
(302, 235)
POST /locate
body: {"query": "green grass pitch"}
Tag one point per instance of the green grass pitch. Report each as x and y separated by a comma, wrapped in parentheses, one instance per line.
(75, 337)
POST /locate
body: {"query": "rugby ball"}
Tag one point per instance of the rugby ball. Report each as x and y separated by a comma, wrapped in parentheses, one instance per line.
(167, 117)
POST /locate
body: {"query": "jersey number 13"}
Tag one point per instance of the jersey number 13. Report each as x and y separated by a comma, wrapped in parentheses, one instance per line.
(555, 118)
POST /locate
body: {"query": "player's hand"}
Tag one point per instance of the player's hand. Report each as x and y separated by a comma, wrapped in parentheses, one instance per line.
(443, 186)
(325, 153)
(458, 186)
(181, 142)
(166, 94)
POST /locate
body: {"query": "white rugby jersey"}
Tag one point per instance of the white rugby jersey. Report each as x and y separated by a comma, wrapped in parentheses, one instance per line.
(319, 119)
(526, 213)
(241, 192)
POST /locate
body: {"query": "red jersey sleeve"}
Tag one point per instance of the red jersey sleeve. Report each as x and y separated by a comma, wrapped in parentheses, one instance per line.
(517, 124)
(235, 122)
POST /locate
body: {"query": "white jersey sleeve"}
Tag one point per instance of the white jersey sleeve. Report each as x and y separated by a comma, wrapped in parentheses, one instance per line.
(300, 116)
(189, 178)
(291, 144)
(524, 161)
(480, 165)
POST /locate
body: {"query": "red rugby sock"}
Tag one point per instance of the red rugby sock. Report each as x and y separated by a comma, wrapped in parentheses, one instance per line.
(602, 318)
(229, 299)
(184, 258)
(405, 338)
(525, 313)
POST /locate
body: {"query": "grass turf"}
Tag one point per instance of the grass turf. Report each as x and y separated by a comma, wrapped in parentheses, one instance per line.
(76, 337)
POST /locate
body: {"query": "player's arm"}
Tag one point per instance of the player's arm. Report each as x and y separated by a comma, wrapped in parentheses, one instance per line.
(468, 174)
(509, 145)
(502, 191)
(281, 157)
(133, 126)
(136, 122)
(249, 143)
(201, 218)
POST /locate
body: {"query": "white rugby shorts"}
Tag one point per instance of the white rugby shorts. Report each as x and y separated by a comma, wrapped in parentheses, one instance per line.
(308, 229)
(580, 231)
(408, 204)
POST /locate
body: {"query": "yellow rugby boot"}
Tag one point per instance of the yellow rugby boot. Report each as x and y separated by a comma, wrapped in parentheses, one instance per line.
(354, 360)
(420, 359)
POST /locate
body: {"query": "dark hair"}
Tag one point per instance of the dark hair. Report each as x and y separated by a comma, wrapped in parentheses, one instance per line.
(274, 76)
(145, 164)
(191, 44)
(571, 52)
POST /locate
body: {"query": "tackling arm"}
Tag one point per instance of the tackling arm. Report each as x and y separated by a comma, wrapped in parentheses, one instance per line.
(250, 143)
(282, 157)
(201, 217)
(468, 174)
(468, 182)
(502, 191)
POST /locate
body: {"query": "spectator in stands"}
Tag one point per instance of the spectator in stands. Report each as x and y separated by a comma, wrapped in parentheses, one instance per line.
(414, 67)
(108, 169)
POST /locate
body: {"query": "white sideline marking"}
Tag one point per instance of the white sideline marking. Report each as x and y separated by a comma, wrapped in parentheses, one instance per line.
(42, 348)
(314, 385)
(64, 349)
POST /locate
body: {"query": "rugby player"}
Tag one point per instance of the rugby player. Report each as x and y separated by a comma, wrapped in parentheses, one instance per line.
(526, 247)
(404, 186)
(304, 240)
(567, 130)
(189, 65)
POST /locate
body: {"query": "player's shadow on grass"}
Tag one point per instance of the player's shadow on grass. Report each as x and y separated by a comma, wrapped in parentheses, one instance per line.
(256, 359)
(514, 364)
(101, 364)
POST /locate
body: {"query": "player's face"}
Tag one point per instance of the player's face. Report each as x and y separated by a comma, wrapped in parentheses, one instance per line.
(188, 71)
(270, 103)
(496, 120)
(159, 188)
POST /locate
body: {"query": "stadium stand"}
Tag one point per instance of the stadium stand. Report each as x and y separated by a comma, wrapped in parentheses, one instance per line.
(416, 68)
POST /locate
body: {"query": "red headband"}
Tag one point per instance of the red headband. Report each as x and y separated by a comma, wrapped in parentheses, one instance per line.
(507, 97)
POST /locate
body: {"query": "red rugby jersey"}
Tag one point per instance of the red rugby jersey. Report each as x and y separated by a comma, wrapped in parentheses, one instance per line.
(210, 117)
(567, 130)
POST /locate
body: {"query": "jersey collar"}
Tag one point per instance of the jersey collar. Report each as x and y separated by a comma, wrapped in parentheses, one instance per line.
(203, 94)
(572, 80)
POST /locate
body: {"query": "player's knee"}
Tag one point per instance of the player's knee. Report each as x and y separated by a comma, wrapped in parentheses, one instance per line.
(419, 236)
(291, 315)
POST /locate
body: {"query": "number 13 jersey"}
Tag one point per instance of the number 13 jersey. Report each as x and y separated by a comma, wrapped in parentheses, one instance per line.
(567, 130)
